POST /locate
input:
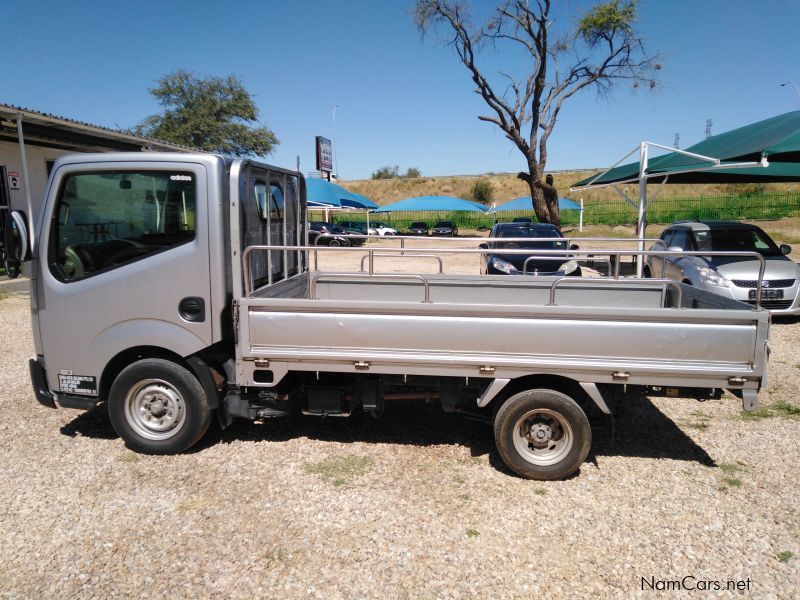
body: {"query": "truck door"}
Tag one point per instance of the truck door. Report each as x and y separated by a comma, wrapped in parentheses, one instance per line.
(123, 262)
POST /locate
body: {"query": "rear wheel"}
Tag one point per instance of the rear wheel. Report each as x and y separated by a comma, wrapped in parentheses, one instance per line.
(334, 243)
(542, 434)
(646, 272)
(158, 407)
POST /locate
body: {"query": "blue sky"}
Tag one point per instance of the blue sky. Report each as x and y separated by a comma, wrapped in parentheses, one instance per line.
(402, 100)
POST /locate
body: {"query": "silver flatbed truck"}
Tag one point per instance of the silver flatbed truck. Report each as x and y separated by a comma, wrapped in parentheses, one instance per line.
(173, 287)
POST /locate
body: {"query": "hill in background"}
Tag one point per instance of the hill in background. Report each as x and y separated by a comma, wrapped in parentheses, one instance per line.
(506, 186)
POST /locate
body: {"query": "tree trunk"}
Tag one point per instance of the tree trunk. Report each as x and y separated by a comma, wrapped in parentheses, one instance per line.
(539, 203)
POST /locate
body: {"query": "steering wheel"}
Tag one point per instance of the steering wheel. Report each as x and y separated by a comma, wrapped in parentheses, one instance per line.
(73, 265)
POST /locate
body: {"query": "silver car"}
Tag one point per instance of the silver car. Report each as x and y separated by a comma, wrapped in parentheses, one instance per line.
(728, 276)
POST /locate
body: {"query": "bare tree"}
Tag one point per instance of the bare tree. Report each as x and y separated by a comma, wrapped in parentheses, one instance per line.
(602, 49)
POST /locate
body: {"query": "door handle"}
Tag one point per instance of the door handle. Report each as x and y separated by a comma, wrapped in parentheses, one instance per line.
(192, 309)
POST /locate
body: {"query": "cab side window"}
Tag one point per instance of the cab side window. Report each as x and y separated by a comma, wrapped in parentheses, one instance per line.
(107, 219)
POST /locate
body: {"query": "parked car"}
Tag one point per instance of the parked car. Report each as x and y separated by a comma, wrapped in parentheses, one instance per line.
(383, 228)
(418, 228)
(498, 263)
(445, 228)
(731, 277)
(342, 237)
(359, 227)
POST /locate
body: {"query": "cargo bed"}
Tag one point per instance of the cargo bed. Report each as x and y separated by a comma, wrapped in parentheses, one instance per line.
(591, 329)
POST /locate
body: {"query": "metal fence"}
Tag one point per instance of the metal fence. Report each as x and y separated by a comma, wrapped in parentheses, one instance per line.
(761, 206)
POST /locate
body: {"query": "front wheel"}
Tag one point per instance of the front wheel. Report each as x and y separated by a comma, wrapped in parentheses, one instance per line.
(542, 434)
(158, 407)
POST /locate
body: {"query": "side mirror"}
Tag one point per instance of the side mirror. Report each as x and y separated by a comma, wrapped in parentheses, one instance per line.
(16, 238)
(574, 247)
(786, 249)
(16, 242)
(483, 246)
(674, 249)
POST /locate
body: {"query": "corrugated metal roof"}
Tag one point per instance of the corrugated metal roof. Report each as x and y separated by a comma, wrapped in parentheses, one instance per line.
(10, 111)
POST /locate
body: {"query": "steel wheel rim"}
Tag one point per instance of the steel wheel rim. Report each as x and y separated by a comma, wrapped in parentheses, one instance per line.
(543, 437)
(155, 409)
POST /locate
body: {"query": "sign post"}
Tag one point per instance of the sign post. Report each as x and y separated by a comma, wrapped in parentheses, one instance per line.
(324, 157)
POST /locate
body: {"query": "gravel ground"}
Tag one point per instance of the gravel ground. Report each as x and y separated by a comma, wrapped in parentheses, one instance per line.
(415, 505)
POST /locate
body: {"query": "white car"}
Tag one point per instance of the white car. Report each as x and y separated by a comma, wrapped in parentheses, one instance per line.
(382, 229)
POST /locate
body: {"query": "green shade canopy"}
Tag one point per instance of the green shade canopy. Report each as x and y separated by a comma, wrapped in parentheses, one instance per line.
(777, 139)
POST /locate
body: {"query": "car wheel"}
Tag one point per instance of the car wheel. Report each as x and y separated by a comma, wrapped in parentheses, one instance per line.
(334, 243)
(158, 407)
(646, 273)
(542, 434)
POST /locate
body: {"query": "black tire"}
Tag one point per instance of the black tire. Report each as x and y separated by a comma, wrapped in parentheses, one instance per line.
(559, 421)
(646, 272)
(334, 243)
(12, 268)
(158, 407)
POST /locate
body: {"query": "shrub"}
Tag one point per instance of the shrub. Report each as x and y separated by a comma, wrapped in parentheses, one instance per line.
(387, 172)
(483, 191)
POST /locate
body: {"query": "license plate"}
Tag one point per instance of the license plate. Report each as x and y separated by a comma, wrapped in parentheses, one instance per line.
(767, 294)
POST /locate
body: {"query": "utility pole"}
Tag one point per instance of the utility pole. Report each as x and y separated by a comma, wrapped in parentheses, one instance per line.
(334, 148)
(709, 123)
(796, 89)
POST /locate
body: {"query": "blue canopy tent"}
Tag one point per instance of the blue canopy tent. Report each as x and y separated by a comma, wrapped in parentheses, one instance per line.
(525, 203)
(432, 204)
(366, 202)
(326, 194)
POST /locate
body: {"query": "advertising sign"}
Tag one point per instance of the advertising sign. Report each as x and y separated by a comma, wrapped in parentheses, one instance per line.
(324, 154)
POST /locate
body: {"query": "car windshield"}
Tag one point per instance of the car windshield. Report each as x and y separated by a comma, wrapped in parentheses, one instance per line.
(418, 225)
(737, 240)
(530, 232)
(336, 229)
(444, 224)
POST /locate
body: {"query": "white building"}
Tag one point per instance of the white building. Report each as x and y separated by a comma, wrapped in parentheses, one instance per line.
(31, 141)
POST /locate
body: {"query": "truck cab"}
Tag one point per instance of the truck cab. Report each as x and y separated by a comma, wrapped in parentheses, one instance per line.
(133, 262)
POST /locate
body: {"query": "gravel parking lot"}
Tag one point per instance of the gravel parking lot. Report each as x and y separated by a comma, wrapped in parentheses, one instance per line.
(415, 505)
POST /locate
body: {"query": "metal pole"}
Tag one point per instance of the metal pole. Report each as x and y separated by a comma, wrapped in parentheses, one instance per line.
(796, 89)
(333, 151)
(580, 222)
(641, 225)
(26, 181)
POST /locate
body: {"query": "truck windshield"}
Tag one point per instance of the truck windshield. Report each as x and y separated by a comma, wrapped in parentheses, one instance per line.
(107, 219)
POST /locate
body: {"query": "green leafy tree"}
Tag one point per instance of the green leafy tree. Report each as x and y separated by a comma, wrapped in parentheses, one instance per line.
(599, 50)
(387, 172)
(413, 172)
(214, 114)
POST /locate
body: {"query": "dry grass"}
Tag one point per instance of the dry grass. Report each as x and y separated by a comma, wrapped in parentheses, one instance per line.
(340, 470)
(506, 186)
